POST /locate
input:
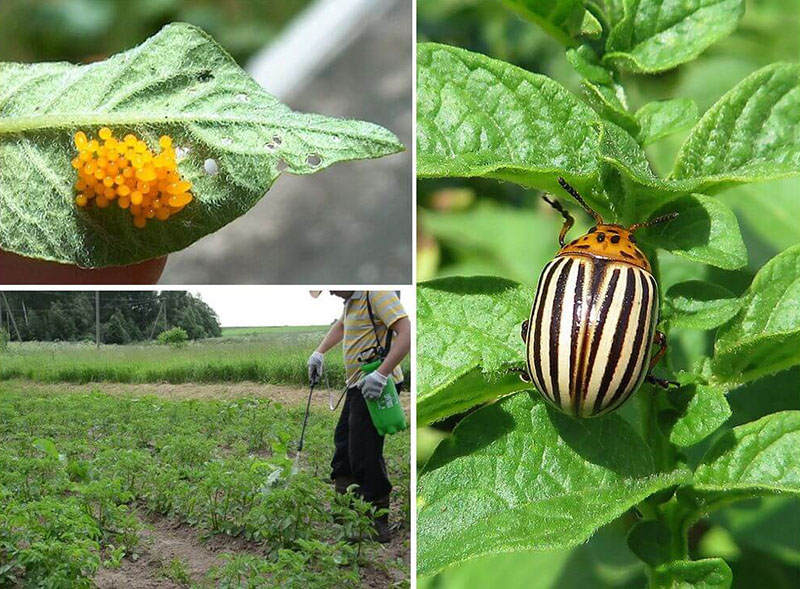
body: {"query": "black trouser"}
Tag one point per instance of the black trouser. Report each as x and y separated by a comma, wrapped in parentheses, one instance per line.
(358, 453)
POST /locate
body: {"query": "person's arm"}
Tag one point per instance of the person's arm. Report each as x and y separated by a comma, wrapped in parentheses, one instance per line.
(333, 337)
(401, 345)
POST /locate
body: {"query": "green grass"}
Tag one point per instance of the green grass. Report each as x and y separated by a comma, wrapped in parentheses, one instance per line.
(269, 355)
(77, 470)
(274, 355)
(255, 331)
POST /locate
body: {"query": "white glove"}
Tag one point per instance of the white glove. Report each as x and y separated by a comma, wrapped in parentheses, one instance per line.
(315, 365)
(372, 385)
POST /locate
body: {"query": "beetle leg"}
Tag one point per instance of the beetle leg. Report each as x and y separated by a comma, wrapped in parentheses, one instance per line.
(524, 331)
(523, 374)
(661, 340)
(568, 220)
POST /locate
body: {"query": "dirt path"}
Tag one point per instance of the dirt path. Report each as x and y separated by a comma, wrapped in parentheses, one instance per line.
(164, 541)
(287, 395)
(159, 546)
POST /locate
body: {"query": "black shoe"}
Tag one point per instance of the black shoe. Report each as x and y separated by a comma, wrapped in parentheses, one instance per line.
(381, 532)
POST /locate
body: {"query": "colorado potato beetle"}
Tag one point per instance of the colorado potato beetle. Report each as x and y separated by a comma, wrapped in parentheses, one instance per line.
(592, 324)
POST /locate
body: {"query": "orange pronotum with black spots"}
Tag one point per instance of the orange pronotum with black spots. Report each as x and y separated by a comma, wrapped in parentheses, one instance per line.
(148, 185)
(610, 242)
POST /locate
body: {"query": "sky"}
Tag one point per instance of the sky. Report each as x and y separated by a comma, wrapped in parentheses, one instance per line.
(249, 306)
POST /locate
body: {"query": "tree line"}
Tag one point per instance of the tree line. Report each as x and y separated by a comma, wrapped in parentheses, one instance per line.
(125, 316)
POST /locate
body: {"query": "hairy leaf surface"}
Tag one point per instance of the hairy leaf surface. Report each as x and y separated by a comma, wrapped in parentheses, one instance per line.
(709, 573)
(560, 18)
(758, 457)
(657, 35)
(466, 323)
(752, 133)
(764, 337)
(697, 304)
(518, 475)
(706, 231)
(704, 410)
(180, 83)
(662, 118)
(478, 116)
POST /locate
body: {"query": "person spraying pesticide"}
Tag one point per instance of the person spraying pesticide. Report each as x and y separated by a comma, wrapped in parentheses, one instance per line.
(376, 335)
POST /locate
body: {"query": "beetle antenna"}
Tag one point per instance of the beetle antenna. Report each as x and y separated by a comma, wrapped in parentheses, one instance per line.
(574, 194)
(656, 221)
(568, 220)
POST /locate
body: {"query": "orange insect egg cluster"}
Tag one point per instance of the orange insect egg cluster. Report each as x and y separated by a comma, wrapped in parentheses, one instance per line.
(126, 171)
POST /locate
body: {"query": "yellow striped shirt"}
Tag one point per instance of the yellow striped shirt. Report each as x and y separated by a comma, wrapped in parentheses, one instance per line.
(359, 335)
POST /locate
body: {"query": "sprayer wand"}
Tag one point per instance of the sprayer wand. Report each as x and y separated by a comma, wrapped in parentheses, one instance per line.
(313, 383)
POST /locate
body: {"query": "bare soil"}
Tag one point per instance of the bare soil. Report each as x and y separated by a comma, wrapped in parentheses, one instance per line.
(163, 540)
(286, 395)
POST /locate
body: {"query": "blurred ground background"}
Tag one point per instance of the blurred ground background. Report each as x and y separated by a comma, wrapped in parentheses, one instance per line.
(347, 224)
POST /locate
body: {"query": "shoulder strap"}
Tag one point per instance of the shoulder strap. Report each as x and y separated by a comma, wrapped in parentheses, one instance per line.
(382, 350)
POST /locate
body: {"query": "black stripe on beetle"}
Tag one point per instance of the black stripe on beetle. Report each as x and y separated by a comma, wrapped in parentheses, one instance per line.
(590, 333)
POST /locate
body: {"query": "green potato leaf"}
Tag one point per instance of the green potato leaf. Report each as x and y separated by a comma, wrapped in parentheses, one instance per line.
(180, 83)
(756, 458)
(709, 573)
(704, 409)
(584, 61)
(663, 118)
(658, 35)
(764, 337)
(609, 101)
(696, 304)
(466, 323)
(478, 116)
(649, 540)
(562, 19)
(469, 390)
(705, 231)
(751, 134)
(518, 475)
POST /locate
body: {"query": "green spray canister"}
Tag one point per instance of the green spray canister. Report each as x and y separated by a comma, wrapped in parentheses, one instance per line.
(386, 412)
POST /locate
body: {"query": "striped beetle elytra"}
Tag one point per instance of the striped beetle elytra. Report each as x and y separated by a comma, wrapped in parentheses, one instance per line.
(593, 321)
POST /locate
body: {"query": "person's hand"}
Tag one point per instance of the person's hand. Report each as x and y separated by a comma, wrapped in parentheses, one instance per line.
(372, 385)
(316, 363)
(16, 269)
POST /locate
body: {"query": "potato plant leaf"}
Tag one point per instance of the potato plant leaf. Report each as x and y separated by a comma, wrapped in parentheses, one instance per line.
(469, 390)
(518, 475)
(752, 133)
(478, 116)
(181, 83)
(609, 101)
(764, 337)
(657, 35)
(696, 304)
(466, 323)
(560, 18)
(663, 118)
(584, 61)
(706, 231)
(709, 573)
(704, 409)
(759, 457)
